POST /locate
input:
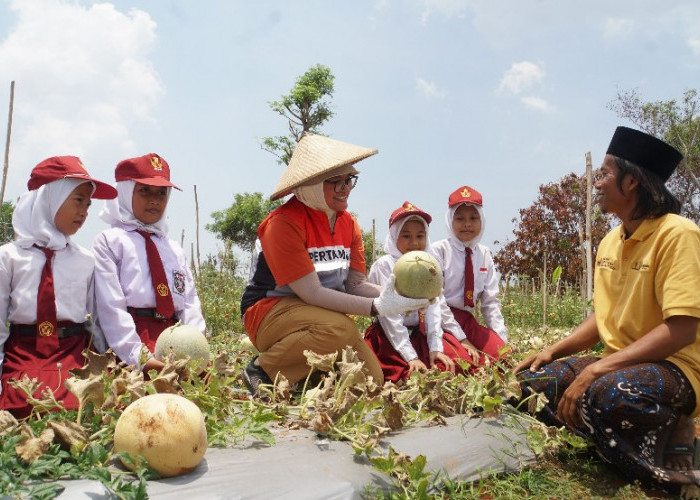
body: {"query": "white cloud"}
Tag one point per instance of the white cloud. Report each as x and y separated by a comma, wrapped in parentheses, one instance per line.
(83, 79)
(446, 8)
(429, 89)
(537, 104)
(694, 44)
(521, 76)
(617, 27)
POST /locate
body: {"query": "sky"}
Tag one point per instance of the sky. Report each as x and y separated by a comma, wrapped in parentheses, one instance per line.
(502, 96)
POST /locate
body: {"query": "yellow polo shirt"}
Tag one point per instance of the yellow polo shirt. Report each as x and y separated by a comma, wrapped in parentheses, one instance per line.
(642, 280)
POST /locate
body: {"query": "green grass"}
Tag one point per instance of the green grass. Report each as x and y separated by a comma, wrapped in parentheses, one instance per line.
(562, 472)
(569, 474)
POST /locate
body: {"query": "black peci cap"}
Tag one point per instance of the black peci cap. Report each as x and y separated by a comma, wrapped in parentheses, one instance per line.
(645, 151)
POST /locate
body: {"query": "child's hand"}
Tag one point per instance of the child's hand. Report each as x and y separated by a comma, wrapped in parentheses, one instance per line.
(152, 364)
(436, 356)
(417, 365)
(473, 351)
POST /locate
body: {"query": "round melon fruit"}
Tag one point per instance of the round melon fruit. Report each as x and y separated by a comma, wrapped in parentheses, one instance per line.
(183, 340)
(418, 275)
(167, 430)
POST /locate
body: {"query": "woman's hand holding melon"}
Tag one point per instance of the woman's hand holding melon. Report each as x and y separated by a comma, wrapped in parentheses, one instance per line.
(390, 303)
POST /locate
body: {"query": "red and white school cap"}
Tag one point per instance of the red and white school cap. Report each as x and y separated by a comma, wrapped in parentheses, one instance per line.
(62, 167)
(149, 169)
(406, 210)
(465, 194)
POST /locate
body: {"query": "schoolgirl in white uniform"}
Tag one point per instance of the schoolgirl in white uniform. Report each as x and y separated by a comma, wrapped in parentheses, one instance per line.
(46, 284)
(465, 286)
(402, 342)
(128, 291)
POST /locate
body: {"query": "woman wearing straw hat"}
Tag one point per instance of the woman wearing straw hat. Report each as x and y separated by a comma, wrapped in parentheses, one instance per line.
(309, 269)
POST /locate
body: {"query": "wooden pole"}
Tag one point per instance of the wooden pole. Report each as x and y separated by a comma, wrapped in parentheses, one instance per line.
(196, 211)
(374, 242)
(544, 291)
(6, 164)
(588, 236)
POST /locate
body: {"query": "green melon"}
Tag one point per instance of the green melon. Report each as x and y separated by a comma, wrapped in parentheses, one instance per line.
(418, 275)
(183, 341)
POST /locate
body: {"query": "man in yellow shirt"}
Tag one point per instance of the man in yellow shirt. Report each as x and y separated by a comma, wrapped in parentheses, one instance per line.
(638, 399)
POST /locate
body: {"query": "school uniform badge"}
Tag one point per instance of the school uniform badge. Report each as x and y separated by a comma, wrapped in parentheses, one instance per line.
(179, 281)
(156, 163)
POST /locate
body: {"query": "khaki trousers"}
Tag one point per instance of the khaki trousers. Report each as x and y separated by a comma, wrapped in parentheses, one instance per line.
(293, 326)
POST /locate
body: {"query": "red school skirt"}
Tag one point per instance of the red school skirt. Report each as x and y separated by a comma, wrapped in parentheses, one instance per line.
(148, 327)
(21, 357)
(395, 368)
(484, 339)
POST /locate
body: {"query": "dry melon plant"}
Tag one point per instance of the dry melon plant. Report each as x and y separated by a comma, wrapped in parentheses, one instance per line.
(54, 443)
(337, 401)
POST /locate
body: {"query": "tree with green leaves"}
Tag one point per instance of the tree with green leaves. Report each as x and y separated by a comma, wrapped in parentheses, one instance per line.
(7, 233)
(678, 123)
(239, 222)
(306, 109)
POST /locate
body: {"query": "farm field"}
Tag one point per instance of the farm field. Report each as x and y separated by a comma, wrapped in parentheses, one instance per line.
(345, 408)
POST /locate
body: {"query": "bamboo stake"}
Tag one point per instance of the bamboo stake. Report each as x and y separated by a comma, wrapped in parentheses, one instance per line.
(196, 211)
(374, 241)
(589, 243)
(192, 266)
(6, 164)
(544, 291)
(583, 282)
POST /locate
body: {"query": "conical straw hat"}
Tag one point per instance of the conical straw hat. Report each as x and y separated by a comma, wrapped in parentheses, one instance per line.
(314, 159)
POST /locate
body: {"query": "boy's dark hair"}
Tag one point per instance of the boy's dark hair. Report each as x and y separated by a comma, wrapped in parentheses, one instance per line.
(655, 200)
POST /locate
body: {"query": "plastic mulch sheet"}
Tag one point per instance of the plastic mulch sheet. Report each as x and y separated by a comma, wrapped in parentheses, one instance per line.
(303, 465)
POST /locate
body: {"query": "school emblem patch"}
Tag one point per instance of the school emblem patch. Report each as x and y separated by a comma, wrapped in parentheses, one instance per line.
(46, 329)
(156, 163)
(179, 281)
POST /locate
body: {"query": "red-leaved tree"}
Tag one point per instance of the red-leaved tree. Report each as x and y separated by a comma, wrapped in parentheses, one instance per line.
(552, 225)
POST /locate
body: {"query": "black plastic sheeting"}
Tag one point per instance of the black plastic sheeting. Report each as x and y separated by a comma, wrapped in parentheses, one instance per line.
(302, 464)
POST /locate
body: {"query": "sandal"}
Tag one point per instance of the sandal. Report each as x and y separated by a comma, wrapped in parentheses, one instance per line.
(685, 449)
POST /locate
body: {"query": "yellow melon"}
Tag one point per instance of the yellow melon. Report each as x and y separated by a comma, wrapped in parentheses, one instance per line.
(167, 430)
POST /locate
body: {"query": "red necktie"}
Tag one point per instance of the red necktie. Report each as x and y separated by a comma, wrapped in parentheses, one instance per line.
(46, 323)
(164, 300)
(468, 278)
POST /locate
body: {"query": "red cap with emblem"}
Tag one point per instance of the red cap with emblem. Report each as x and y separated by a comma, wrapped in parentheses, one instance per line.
(149, 169)
(61, 167)
(465, 194)
(407, 209)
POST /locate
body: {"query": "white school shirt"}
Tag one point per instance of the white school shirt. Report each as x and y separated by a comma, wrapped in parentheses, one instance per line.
(123, 279)
(452, 260)
(20, 273)
(396, 327)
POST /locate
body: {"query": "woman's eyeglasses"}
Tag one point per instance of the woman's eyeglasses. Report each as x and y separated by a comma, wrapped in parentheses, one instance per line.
(339, 184)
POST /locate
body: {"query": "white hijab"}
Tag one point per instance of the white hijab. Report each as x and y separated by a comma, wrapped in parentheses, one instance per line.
(312, 195)
(119, 211)
(390, 246)
(454, 240)
(33, 218)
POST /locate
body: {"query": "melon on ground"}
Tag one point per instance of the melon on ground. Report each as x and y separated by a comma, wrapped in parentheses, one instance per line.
(418, 275)
(167, 430)
(183, 341)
